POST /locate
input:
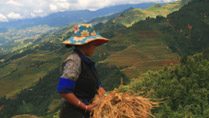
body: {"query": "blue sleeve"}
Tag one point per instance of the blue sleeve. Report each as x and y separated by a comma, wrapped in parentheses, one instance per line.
(100, 84)
(66, 85)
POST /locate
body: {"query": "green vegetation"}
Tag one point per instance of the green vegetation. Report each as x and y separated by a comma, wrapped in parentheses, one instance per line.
(186, 31)
(25, 71)
(183, 88)
(185, 2)
(131, 17)
(14, 39)
(32, 100)
(114, 76)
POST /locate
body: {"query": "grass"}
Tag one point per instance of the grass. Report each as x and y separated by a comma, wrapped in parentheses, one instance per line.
(55, 103)
(25, 116)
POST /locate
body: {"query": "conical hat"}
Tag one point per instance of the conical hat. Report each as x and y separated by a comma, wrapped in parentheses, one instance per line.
(84, 34)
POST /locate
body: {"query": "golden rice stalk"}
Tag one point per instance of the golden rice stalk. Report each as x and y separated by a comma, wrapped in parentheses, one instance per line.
(122, 105)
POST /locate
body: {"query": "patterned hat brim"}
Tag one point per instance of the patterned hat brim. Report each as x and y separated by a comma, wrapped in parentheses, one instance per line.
(77, 40)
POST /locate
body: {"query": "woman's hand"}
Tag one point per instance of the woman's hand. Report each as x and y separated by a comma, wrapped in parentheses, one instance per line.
(71, 98)
(101, 91)
(90, 108)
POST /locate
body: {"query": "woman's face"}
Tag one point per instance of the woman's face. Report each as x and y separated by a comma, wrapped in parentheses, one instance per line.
(89, 50)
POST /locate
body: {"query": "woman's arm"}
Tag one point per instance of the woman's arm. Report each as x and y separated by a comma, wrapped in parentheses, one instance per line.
(72, 99)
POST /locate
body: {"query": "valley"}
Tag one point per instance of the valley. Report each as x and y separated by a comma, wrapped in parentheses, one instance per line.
(164, 54)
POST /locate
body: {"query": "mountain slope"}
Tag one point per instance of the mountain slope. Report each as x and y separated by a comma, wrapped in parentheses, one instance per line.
(182, 89)
(15, 39)
(139, 49)
(187, 30)
(136, 15)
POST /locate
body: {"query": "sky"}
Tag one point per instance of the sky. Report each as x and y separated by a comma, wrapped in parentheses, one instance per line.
(20, 9)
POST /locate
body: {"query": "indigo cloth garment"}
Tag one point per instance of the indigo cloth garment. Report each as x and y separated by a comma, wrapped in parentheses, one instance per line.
(78, 77)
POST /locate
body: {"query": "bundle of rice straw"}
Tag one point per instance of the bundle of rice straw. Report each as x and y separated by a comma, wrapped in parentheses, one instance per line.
(122, 105)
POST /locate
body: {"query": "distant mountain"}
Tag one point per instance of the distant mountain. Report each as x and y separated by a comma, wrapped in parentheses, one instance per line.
(104, 19)
(62, 18)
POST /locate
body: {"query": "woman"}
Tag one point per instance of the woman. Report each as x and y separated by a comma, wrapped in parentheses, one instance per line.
(79, 80)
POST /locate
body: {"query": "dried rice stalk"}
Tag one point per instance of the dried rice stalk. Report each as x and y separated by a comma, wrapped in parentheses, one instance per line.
(122, 105)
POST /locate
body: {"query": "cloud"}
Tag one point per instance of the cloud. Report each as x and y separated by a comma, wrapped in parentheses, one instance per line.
(33, 15)
(38, 11)
(59, 5)
(13, 15)
(60, 0)
(14, 3)
(53, 7)
(92, 4)
(3, 18)
(63, 5)
(97, 4)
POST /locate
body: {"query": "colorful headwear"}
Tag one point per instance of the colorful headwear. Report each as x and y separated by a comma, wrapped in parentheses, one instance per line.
(83, 34)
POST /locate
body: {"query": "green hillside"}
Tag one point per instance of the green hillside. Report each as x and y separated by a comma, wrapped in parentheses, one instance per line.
(187, 31)
(139, 49)
(182, 89)
(15, 38)
(104, 19)
(149, 45)
(24, 67)
(136, 15)
(23, 72)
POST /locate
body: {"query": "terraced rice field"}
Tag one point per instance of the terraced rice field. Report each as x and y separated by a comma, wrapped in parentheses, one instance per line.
(148, 52)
